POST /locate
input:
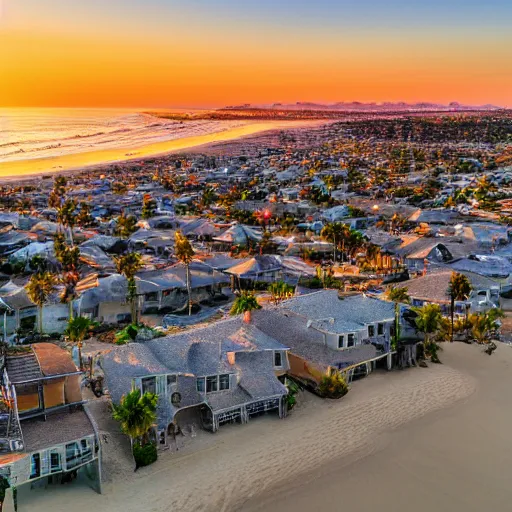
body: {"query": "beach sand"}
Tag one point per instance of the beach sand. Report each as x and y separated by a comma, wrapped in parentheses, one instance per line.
(78, 161)
(418, 439)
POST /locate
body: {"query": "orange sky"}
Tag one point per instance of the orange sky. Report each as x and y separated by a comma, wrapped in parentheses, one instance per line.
(88, 55)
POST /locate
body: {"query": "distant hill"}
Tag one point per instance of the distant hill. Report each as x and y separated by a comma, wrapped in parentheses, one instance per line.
(356, 106)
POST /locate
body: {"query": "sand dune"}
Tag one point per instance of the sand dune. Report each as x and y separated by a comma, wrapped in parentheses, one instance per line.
(240, 467)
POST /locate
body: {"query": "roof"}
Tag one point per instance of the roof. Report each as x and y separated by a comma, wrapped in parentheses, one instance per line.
(53, 360)
(23, 367)
(198, 352)
(238, 235)
(331, 313)
(55, 429)
(293, 331)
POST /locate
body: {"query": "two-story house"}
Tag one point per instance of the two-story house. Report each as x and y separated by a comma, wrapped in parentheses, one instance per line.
(225, 372)
(326, 331)
(45, 430)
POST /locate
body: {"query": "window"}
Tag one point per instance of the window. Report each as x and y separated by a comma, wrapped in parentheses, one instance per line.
(35, 466)
(72, 455)
(211, 384)
(380, 329)
(151, 297)
(351, 340)
(55, 465)
(171, 381)
(223, 382)
(341, 341)
(371, 331)
(200, 384)
(149, 385)
(278, 359)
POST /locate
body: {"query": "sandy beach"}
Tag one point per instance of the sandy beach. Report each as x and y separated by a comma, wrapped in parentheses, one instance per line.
(419, 439)
(187, 139)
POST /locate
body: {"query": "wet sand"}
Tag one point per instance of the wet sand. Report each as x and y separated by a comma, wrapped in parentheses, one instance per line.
(86, 159)
(419, 439)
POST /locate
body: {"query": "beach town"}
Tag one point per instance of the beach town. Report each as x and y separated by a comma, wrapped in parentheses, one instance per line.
(261, 306)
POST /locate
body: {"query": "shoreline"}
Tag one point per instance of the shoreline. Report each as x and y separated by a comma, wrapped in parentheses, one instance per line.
(28, 169)
(270, 456)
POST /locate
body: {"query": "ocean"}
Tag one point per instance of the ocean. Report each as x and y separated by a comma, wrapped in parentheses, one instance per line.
(40, 133)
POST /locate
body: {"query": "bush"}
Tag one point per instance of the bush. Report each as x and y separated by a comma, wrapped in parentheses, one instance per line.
(144, 455)
(333, 386)
(291, 398)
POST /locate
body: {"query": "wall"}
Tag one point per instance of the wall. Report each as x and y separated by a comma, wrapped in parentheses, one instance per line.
(304, 369)
(109, 311)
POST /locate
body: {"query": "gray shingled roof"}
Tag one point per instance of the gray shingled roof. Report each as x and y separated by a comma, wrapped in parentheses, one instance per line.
(306, 342)
(332, 314)
(55, 429)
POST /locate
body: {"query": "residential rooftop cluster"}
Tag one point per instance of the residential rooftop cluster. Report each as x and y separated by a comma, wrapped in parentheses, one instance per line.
(334, 242)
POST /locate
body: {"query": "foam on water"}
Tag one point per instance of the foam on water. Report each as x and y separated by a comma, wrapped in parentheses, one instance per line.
(36, 133)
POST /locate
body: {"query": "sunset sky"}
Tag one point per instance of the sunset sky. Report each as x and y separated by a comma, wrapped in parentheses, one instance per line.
(205, 53)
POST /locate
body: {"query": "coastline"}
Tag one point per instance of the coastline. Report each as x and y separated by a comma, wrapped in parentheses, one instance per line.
(79, 161)
(271, 464)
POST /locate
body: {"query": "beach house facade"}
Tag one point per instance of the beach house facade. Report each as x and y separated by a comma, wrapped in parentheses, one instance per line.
(224, 373)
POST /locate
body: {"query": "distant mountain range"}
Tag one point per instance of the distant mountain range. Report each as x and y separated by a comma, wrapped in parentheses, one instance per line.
(356, 106)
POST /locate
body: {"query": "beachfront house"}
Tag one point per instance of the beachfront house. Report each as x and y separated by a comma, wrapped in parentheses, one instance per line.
(327, 332)
(46, 433)
(224, 373)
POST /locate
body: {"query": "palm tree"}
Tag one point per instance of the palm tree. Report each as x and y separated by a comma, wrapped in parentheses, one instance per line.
(84, 218)
(137, 414)
(458, 290)
(148, 207)
(128, 265)
(280, 291)
(398, 295)
(76, 331)
(58, 192)
(126, 225)
(428, 322)
(482, 324)
(208, 197)
(39, 289)
(66, 215)
(244, 304)
(185, 253)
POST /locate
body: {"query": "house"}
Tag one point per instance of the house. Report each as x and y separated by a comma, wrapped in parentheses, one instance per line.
(433, 289)
(46, 431)
(240, 235)
(223, 373)
(327, 332)
(164, 290)
(18, 312)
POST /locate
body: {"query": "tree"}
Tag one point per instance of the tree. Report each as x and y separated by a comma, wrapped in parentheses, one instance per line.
(458, 290)
(66, 215)
(125, 225)
(39, 289)
(208, 197)
(84, 218)
(69, 258)
(128, 265)
(137, 414)
(483, 324)
(344, 238)
(428, 322)
(280, 291)
(148, 207)
(119, 188)
(57, 194)
(76, 331)
(185, 253)
(398, 295)
(244, 304)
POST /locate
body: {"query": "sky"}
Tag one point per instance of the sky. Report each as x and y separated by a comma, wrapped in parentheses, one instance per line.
(211, 53)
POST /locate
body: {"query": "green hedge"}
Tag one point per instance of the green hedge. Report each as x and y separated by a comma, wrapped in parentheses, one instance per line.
(144, 455)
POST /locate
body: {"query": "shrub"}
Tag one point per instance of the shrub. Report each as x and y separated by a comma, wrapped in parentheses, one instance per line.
(291, 398)
(333, 386)
(144, 455)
